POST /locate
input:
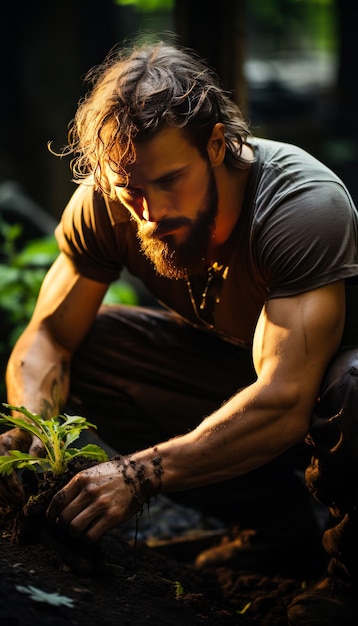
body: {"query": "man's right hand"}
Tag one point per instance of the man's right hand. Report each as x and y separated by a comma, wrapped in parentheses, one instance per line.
(11, 490)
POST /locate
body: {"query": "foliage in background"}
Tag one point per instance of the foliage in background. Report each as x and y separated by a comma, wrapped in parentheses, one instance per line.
(300, 24)
(21, 274)
(148, 5)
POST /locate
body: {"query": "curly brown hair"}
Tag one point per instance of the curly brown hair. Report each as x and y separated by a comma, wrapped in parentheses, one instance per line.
(138, 91)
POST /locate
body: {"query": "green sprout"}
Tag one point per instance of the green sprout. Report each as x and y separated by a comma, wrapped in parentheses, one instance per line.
(56, 435)
(179, 589)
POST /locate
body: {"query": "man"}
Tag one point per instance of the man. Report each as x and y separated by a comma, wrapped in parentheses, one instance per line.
(251, 246)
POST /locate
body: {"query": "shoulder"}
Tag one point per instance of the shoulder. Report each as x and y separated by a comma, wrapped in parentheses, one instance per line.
(291, 158)
(304, 222)
(94, 232)
(292, 186)
(91, 203)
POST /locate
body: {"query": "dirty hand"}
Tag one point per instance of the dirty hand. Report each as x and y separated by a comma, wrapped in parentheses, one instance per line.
(11, 491)
(101, 497)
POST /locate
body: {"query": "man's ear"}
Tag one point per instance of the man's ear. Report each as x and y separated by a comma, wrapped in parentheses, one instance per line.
(216, 145)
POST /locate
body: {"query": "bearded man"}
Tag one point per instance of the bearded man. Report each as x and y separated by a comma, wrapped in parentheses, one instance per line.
(249, 246)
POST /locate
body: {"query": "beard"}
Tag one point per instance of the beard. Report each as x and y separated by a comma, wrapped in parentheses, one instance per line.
(179, 260)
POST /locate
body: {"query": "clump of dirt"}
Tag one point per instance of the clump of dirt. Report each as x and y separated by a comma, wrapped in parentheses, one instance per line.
(27, 524)
(39, 488)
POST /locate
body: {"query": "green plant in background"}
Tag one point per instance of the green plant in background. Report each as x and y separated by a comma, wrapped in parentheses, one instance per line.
(56, 435)
(148, 5)
(286, 24)
(21, 274)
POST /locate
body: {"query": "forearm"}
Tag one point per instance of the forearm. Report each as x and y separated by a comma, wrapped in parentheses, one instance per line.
(248, 431)
(37, 374)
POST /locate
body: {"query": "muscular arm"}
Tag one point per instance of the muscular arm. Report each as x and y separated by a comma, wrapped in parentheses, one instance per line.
(38, 370)
(295, 339)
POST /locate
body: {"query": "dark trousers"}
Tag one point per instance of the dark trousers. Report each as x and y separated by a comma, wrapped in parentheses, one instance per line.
(331, 476)
(143, 376)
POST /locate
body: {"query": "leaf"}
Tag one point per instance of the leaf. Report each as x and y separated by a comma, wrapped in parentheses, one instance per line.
(77, 419)
(91, 451)
(38, 595)
(56, 435)
(72, 436)
(7, 465)
(18, 460)
(120, 291)
(22, 409)
(19, 422)
(37, 253)
(246, 607)
(179, 589)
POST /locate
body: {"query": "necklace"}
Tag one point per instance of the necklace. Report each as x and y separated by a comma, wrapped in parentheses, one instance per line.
(210, 295)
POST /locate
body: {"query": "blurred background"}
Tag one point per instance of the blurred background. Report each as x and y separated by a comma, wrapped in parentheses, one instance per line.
(289, 64)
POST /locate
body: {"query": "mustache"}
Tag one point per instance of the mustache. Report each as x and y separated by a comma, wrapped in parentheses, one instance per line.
(159, 229)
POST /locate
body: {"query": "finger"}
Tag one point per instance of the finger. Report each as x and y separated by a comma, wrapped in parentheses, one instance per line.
(73, 520)
(6, 499)
(15, 439)
(95, 530)
(98, 527)
(65, 497)
(15, 486)
(81, 518)
(56, 506)
(80, 524)
(36, 448)
(88, 525)
(11, 489)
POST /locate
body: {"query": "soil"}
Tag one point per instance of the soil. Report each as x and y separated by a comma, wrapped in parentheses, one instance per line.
(128, 579)
(135, 587)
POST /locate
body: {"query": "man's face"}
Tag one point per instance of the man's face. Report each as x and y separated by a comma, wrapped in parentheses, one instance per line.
(172, 195)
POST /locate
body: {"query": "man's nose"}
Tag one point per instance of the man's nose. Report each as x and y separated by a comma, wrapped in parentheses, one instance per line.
(153, 208)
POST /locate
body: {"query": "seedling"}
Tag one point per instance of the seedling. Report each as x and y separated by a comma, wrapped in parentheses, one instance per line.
(56, 435)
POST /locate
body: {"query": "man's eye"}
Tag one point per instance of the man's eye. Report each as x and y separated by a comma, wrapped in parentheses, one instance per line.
(168, 183)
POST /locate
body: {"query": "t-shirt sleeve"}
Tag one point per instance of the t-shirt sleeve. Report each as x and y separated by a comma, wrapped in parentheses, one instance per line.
(307, 240)
(87, 237)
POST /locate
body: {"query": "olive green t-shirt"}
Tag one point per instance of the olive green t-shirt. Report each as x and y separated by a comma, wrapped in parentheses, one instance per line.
(297, 231)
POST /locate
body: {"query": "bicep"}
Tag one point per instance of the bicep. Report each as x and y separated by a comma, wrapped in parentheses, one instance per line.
(67, 304)
(295, 339)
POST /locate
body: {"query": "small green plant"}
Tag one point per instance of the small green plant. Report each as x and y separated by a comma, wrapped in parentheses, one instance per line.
(56, 435)
(179, 590)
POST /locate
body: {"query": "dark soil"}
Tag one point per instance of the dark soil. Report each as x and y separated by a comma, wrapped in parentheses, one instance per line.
(134, 586)
(123, 581)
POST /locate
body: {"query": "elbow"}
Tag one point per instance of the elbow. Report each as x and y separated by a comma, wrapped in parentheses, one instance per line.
(291, 409)
(296, 430)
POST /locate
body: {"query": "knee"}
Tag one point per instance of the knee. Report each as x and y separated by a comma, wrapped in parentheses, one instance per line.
(340, 386)
(334, 464)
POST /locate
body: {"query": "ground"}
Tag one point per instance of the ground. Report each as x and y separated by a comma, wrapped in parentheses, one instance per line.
(126, 583)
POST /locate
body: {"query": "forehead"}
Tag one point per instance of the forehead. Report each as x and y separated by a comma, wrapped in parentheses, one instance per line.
(168, 149)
